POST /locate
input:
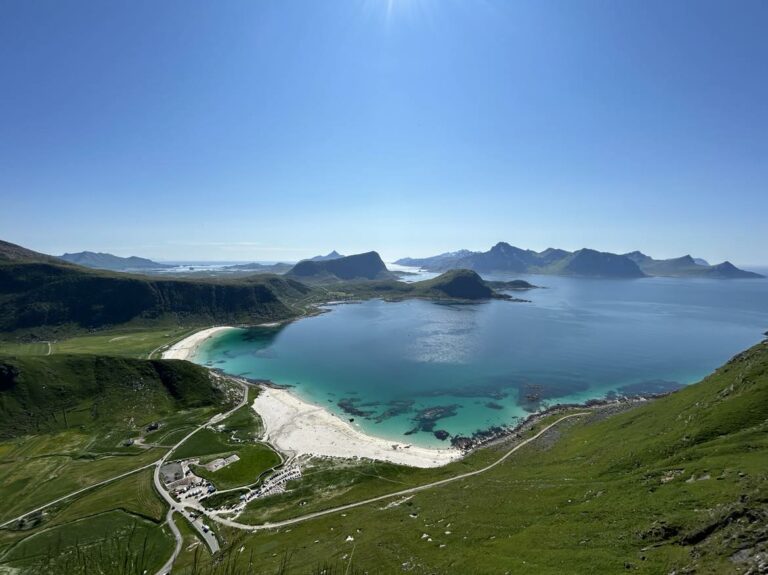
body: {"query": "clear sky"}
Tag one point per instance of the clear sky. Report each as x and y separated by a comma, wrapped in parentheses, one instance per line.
(268, 130)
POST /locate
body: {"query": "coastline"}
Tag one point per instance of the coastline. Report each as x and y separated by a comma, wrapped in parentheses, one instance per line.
(296, 427)
(187, 347)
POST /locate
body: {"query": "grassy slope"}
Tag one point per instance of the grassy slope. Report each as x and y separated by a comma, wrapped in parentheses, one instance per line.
(255, 459)
(124, 507)
(44, 298)
(610, 492)
(44, 455)
(106, 400)
(138, 343)
(59, 392)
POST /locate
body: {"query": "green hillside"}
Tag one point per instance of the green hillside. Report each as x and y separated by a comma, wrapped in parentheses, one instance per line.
(41, 294)
(44, 295)
(56, 393)
(14, 253)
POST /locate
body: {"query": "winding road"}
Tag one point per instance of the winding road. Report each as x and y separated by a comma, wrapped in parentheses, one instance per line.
(278, 524)
(206, 534)
(175, 506)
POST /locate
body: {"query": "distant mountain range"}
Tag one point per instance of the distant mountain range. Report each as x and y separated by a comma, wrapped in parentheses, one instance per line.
(583, 263)
(105, 261)
(367, 266)
(102, 261)
(334, 255)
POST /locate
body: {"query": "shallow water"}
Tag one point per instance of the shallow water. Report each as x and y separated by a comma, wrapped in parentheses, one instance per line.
(419, 366)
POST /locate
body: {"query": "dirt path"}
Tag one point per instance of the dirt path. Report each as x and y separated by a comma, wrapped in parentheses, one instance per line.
(78, 492)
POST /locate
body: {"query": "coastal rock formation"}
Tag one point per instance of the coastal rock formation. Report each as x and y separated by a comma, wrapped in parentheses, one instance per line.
(461, 284)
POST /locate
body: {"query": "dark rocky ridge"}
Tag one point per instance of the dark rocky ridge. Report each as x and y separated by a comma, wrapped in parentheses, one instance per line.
(366, 266)
(105, 261)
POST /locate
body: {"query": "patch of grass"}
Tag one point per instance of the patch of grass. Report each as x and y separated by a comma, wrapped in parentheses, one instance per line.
(21, 348)
(254, 460)
(328, 484)
(175, 426)
(204, 442)
(105, 543)
(245, 423)
(137, 343)
(88, 392)
(125, 341)
(134, 494)
(41, 469)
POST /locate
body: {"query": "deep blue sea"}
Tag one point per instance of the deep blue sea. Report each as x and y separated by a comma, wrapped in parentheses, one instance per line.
(417, 367)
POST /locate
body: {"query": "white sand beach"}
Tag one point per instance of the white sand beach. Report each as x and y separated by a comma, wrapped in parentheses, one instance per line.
(187, 347)
(298, 428)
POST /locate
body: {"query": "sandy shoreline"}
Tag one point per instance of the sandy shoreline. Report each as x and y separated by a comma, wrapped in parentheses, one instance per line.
(300, 428)
(297, 427)
(187, 347)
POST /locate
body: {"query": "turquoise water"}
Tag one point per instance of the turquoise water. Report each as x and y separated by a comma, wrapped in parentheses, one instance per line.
(421, 367)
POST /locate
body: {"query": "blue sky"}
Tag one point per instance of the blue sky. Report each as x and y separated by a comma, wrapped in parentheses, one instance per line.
(265, 130)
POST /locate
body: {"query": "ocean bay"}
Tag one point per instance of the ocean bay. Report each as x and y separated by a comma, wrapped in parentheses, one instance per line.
(406, 370)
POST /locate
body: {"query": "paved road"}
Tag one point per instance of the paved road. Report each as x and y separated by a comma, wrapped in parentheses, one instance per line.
(175, 506)
(316, 514)
(179, 541)
(79, 491)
